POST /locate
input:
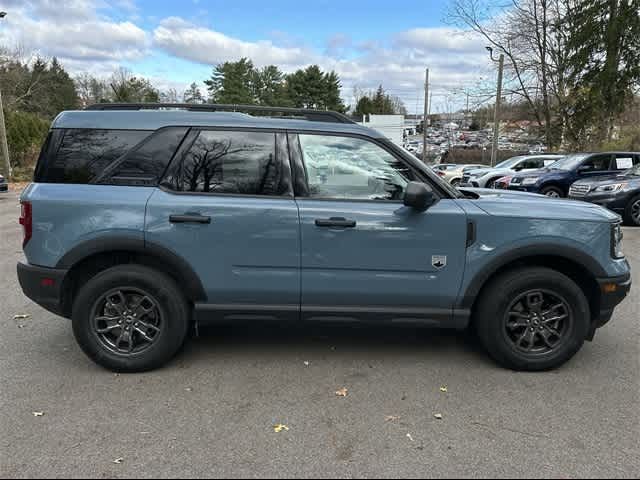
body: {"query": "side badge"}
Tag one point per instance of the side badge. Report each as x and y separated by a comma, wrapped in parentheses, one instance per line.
(439, 261)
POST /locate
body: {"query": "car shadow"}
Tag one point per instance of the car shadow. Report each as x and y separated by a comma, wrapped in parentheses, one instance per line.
(278, 341)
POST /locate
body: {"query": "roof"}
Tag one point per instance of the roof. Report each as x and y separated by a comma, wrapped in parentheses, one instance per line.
(155, 119)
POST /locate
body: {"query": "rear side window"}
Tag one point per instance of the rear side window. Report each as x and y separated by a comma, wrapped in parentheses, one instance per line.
(624, 161)
(83, 155)
(145, 164)
(243, 163)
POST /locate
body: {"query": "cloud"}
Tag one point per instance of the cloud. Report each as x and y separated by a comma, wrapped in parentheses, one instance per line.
(75, 32)
(186, 40)
(438, 39)
(95, 36)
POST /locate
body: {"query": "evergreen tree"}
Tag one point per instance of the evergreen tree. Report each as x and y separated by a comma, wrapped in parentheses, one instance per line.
(604, 47)
(269, 87)
(233, 83)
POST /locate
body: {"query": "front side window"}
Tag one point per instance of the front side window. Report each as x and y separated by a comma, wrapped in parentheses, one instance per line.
(597, 163)
(352, 168)
(243, 163)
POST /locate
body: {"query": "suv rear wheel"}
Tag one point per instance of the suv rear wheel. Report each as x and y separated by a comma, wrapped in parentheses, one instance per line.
(130, 318)
(532, 319)
(552, 191)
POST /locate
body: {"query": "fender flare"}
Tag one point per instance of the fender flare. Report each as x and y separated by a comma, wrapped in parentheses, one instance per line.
(189, 280)
(468, 297)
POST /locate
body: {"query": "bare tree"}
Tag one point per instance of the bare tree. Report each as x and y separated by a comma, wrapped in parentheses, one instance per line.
(530, 34)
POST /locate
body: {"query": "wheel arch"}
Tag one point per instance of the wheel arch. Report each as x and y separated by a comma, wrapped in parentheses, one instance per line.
(91, 257)
(576, 265)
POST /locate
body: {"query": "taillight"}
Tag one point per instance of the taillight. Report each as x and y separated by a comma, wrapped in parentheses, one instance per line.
(26, 220)
(441, 173)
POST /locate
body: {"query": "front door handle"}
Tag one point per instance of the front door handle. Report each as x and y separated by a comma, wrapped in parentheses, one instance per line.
(189, 218)
(339, 222)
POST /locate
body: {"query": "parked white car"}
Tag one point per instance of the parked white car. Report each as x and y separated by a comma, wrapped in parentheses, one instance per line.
(453, 173)
(486, 177)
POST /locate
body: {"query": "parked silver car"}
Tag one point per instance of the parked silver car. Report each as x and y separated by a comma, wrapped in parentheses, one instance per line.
(486, 177)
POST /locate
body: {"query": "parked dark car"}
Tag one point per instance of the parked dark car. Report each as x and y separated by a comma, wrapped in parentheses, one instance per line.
(620, 193)
(555, 180)
(4, 186)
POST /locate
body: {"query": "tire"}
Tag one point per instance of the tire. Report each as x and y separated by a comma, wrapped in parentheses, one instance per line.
(455, 182)
(632, 212)
(497, 331)
(552, 191)
(113, 296)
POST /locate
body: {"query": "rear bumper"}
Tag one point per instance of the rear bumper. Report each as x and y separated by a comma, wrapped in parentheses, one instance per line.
(613, 291)
(43, 286)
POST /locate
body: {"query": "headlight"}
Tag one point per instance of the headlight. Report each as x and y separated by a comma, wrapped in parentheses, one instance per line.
(614, 187)
(530, 181)
(616, 241)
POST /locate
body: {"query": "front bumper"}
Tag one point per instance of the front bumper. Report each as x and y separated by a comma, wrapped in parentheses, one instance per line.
(613, 290)
(43, 286)
(616, 202)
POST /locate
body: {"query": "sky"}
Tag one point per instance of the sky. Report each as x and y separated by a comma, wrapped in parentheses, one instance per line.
(174, 43)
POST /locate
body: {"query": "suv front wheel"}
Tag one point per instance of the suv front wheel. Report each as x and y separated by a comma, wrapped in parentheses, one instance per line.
(130, 318)
(532, 319)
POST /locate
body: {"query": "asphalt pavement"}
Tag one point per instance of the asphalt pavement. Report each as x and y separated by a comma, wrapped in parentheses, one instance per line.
(211, 412)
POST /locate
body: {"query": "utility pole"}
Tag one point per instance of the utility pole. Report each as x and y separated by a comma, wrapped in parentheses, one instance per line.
(6, 165)
(426, 115)
(496, 115)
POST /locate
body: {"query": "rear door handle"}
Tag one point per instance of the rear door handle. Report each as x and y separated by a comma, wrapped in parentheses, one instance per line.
(189, 218)
(340, 222)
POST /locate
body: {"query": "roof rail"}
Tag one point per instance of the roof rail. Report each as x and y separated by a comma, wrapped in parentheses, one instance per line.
(281, 112)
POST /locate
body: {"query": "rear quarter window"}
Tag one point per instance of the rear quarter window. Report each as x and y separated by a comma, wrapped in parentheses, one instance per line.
(82, 155)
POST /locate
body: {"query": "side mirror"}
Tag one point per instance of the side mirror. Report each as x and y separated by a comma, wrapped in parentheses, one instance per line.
(419, 196)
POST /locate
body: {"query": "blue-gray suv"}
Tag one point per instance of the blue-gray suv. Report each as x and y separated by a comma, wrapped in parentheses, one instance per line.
(146, 221)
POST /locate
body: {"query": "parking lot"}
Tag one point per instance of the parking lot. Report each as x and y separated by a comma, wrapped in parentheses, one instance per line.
(212, 411)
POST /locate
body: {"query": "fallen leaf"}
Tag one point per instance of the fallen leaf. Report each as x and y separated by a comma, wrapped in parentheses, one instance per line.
(21, 317)
(391, 418)
(438, 416)
(280, 428)
(118, 461)
(444, 389)
(38, 414)
(409, 437)
(343, 392)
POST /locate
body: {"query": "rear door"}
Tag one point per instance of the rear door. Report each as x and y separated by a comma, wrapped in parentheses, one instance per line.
(226, 206)
(365, 256)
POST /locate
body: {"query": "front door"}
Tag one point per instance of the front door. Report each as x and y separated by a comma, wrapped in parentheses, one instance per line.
(226, 206)
(365, 256)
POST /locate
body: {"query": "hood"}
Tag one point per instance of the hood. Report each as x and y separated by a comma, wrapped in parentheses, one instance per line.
(508, 203)
(536, 173)
(608, 179)
(481, 172)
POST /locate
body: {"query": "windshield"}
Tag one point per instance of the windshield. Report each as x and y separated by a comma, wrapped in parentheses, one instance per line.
(569, 162)
(509, 162)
